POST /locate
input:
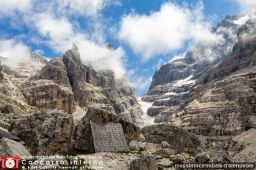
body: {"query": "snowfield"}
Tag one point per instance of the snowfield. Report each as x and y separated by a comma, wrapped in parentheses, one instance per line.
(147, 120)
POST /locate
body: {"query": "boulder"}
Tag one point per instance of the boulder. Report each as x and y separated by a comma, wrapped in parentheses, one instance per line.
(144, 163)
(165, 163)
(4, 124)
(202, 157)
(179, 139)
(137, 146)
(11, 147)
(220, 156)
(45, 133)
(155, 110)
(5, 134)
(141, 138)
(165, 144)
(83, 136)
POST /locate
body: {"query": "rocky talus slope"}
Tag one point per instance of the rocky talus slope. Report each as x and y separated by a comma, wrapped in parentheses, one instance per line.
(54, 132)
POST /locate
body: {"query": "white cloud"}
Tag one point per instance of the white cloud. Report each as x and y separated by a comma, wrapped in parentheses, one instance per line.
(248, 33)
(87, 7)
(154, 34)
(242, 20)
(179, 56)
(102, 57)
(166, 30)
(91, 8)
(201, 33)
(8, 6)
(247, 6)
(17, 52)
(139, 82)
(159, 63)
(61, 35)
(50, 24)
(62, 7)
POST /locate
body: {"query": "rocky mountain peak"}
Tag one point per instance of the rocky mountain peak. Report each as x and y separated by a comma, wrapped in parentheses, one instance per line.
(54, 70)
(228, 21)
(172, 83)
(24, 69)
(65, 83)
(37, 58)
(247, 32)
(73, 54)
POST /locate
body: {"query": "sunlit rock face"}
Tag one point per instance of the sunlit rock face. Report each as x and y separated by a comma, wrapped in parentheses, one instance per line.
(101, 88)
(64, 83)
(50, 88)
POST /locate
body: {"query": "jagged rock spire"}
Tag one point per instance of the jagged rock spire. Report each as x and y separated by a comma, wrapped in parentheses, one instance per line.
(74, 54)
(74, 47)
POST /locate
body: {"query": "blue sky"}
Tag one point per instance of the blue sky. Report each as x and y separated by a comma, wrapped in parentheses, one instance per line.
(131, 26)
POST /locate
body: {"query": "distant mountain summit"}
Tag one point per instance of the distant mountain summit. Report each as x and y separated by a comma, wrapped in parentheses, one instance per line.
(172, 83)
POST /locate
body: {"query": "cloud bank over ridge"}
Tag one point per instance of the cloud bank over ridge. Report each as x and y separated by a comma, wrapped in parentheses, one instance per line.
(167, 30)
(52, 25)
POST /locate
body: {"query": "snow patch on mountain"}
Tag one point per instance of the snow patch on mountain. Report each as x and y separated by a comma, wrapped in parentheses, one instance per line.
(185, 81)
(241, 20)
(147, 120)
(170, 93)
